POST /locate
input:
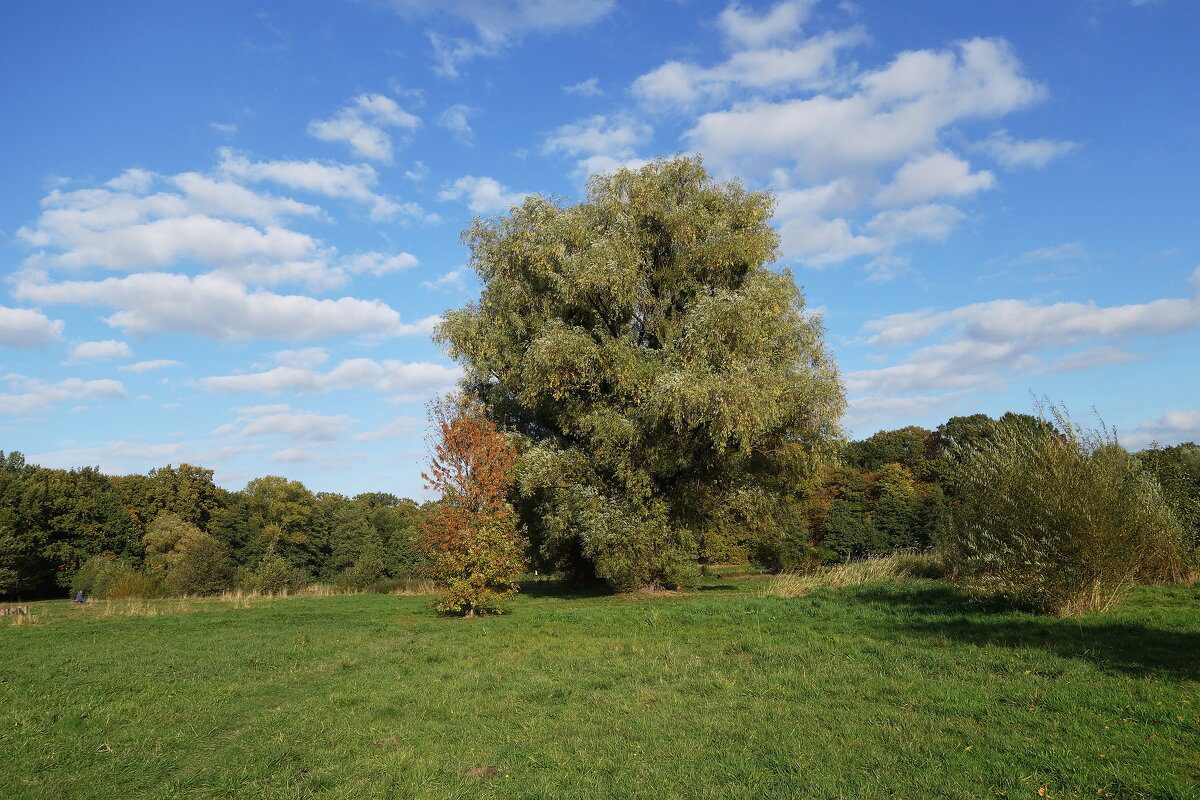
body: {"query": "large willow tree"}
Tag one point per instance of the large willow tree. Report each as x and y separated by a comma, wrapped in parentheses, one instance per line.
(667, 384)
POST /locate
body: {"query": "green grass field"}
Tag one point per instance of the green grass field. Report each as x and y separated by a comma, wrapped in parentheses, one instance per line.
(887, 690)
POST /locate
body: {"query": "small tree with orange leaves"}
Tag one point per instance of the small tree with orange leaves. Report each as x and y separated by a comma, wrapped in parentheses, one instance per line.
(472, 536)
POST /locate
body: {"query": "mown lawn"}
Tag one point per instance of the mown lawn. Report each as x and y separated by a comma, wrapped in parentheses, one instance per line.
(889, 690)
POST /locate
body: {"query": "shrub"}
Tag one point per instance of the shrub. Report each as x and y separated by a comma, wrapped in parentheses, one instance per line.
(134, 584)
(203, 568)
(472, 535)
(276, 576)
(366, 572)
(1062, 521)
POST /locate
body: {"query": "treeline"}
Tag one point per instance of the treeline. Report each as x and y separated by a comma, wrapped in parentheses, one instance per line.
(174, 531)
(896, 490)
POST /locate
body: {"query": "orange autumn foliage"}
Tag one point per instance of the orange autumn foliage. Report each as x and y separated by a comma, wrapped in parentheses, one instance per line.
(472, 536)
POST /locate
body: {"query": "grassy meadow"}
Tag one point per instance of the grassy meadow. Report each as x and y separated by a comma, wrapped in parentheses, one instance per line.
(743, 688)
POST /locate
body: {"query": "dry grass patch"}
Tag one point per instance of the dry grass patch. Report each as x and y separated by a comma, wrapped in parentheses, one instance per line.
(854, 573)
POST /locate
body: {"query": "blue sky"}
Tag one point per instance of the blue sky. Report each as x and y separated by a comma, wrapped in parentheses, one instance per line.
(228, 227)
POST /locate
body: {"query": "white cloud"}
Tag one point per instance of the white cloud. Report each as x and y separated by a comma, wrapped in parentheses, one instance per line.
(1173, 427)
(895, 112)
(864, 410)
(497, 23)
(1089, 359)
(483, 195)
(1014, 153)
(932, 221)
(361, 126)
(99, 351)
(600, 143)
(388, 376)
(27, 328)
(745, 29)
(215, 307)
(349, 181)
(982, 342)
(588, 88)
(810, 64)
(1067, 251)
(833, 139)
(123, 230)
(226, 128)
(935, 175)
(378, 264)
(456, 119)
(148, 366)
(400, 426)
(299, 426)
(30, 395)
(307, 358)
(452, 280)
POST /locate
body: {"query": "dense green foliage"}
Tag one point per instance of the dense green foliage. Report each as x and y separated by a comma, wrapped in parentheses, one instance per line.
(1063, 520)
(880, 691)
(174, 531)
(668, 385)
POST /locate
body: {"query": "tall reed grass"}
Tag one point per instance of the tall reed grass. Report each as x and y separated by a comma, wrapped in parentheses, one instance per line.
(1062, 519)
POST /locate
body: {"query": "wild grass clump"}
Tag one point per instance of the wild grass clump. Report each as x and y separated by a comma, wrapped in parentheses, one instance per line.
(1059, 519)
(854, 573)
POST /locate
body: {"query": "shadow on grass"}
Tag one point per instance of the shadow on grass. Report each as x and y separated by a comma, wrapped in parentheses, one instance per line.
(939, 612)
(564, 590)
(716, 587)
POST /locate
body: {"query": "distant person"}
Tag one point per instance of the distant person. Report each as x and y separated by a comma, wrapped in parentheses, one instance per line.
(78, 598)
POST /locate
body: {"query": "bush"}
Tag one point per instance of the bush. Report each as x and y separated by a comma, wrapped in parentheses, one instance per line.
(134, 585)
(204, 568)
(366, 572)
(276, 576)
(1062, 521)
(97, 575)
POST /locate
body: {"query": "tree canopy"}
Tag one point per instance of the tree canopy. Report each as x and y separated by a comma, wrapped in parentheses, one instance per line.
(665, 381)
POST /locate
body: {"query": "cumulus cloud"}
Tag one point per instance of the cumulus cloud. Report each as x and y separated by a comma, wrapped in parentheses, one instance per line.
(600, 143)
(127, 228)
(349, 181)
(27, 328)
(810, 64)
(1173, 427)
(749, 30)
(1014, 153)
(361, 126)
(388, 376)
(307, 358)
(149, 366)
(588, 88)
(400, 426)
(483, 195)
(496, 24)
(894, 112)
(219, 308)
(99, 351)
(859, 158)
(982, 342)
(1067, 251)
(863, 411)
(281, 421)
(455, 280)
(26, 395)
(936, 175)
(378, 264)
(457, 120)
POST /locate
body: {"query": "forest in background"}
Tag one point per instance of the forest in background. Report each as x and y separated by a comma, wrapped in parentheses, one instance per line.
(174, 531)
